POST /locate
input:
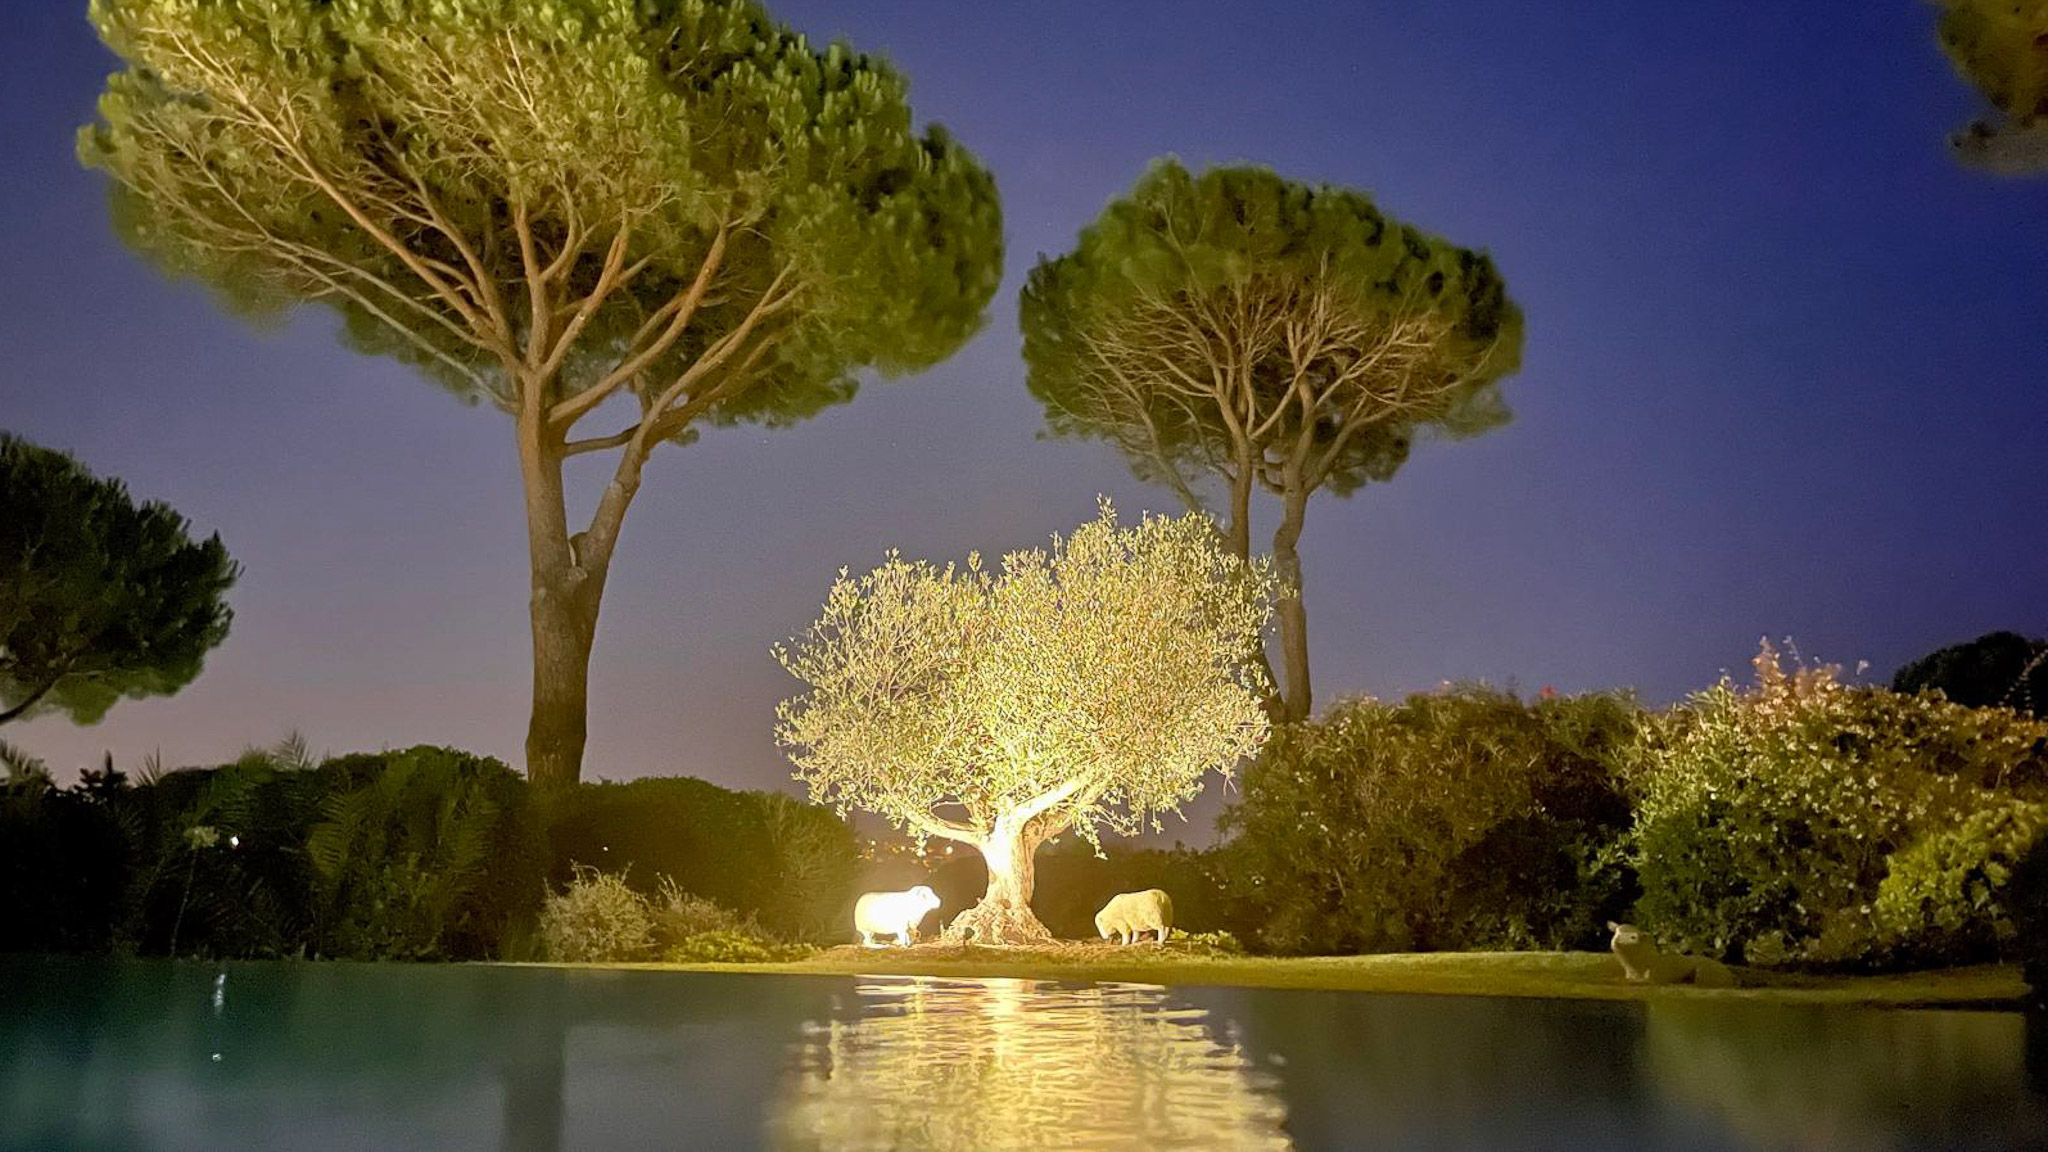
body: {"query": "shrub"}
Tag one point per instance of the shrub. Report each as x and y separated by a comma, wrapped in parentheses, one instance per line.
(791, 865)
(679, 915)
(1206, 944)
(689, 929)
(64, 869)
(1767, 817)
(1452, 820)
(2027, 902)
(1944, 899)
(428, 853)
(730, 947)
(597, 918)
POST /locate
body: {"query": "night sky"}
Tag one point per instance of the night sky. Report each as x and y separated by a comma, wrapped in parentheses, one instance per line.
(1783, 375)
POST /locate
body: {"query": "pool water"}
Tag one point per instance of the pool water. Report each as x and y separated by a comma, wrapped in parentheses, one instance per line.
(172, 1056)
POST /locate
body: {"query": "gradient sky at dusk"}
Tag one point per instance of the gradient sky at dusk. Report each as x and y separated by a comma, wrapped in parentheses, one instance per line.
(1784, 375)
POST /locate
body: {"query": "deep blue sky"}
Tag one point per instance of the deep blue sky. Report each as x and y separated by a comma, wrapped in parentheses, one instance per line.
(1784, 375)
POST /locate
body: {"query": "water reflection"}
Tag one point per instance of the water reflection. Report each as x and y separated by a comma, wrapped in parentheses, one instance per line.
(1418, 1073)
(1015, 1064)
(120, 1055)
(1826, 1080)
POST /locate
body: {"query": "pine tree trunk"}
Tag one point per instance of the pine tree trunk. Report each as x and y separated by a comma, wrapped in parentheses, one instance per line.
(568, 577)
(1237, 528)
(1237, 539)
(1296, 698)
(563, 630)
(1004, 915)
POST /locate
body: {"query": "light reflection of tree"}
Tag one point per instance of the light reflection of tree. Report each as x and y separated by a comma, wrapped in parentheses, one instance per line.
(1003, 1064)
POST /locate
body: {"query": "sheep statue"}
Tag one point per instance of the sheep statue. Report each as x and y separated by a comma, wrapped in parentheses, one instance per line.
(1133, 912)
(1640, 961)
(892, 914)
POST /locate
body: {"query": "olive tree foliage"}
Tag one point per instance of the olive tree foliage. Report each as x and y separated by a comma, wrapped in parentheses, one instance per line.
(665, 214)
(1236, 332)
(100, 597)
(1092, 686)
(2001, 48)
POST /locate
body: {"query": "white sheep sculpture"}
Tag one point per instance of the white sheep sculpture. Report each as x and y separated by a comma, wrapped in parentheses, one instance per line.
(1641, 962)
(892, 914)
(1126, 915)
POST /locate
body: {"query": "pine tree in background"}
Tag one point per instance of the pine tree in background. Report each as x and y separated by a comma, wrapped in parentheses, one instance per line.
(1243, 331)
(100, 597)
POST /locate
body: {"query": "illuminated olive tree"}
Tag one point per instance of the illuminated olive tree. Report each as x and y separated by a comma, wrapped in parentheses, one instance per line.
(664, 213)
(1087, 686)
(2001, 47)
(1239, 328)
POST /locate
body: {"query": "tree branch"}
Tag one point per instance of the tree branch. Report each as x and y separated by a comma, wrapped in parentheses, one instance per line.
(680, 309)
(31, 699)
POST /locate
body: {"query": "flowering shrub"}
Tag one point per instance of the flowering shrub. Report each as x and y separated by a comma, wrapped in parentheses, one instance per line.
(1768, 817)
(597, 918)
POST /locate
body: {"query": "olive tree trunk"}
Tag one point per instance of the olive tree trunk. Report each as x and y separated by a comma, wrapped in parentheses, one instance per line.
(1004, 914)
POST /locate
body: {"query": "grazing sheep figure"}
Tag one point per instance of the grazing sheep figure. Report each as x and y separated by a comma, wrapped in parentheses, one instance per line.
(1133, 912)
(892, 914)
(1641, 961)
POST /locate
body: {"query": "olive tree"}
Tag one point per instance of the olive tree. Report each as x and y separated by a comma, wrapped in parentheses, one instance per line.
(100, 597)
(668, 214)
(1998, 46)
(1091, 685)
(1242, 331)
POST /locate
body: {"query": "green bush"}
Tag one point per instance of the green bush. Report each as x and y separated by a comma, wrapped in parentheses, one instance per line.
(222, 868)
(679, 915)
(730, 947)
(427, 853)
(1206, 944)
(64, 870)
(1460, 819)
(2027, 902)
(789, 864)
(1768, 817)
(596, 919)
(1944, 899)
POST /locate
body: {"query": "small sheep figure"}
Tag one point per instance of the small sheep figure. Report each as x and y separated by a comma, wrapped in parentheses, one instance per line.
(1133, 912)
(1640, 961)
(892, 914)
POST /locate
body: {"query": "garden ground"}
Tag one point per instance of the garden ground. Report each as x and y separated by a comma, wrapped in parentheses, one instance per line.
(1574, 975)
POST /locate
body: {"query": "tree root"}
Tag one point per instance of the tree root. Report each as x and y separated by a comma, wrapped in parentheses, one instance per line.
(996, 923)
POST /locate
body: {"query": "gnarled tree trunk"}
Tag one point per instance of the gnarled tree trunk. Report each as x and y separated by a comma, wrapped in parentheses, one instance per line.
(1004, 914)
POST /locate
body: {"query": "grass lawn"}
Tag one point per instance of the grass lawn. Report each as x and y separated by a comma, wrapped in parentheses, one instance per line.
(1593, 975)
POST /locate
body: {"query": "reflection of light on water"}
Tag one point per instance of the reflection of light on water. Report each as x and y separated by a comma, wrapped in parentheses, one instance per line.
(1003, 1064)
(220, 1001)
